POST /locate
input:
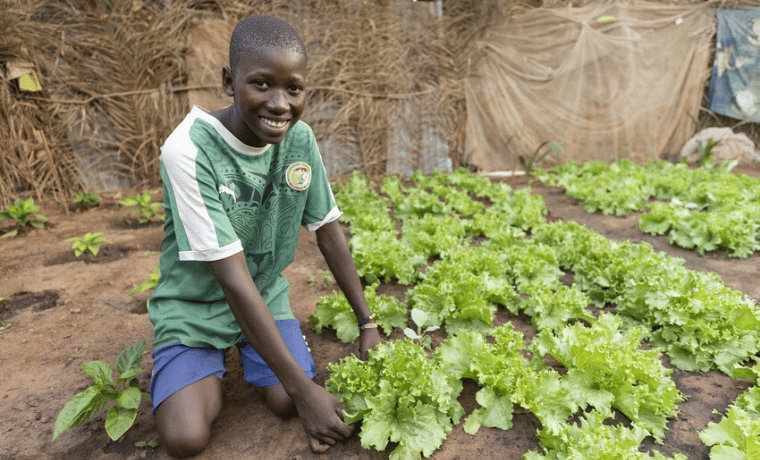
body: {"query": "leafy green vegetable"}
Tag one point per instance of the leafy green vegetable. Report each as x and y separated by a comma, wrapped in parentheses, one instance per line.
(334, 311)
(594, 439)
(607, 369)
(707, 208)
(401, 395)
(90, 402)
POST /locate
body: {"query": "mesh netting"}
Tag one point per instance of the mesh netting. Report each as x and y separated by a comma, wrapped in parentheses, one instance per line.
(608, 80)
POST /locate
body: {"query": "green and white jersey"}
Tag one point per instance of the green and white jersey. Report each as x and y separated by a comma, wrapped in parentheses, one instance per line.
(222, 197)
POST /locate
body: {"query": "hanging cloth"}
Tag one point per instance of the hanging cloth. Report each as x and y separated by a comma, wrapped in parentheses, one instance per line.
(735, 83)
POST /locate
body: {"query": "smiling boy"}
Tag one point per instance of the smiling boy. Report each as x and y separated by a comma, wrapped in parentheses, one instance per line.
(238, 184)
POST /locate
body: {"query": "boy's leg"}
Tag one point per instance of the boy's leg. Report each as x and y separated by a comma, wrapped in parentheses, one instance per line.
(279, 402)
(184, 418)
(186, 390)
(257, 373)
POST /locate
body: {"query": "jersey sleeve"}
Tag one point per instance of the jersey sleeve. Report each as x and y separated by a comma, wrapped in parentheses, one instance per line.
(320, 203)
(203, 229)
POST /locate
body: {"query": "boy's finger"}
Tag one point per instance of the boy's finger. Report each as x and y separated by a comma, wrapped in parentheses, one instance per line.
(317, 446)
(343, 429)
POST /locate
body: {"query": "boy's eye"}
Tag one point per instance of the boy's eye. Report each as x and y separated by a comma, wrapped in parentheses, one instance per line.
(295, 89)
(259, 83)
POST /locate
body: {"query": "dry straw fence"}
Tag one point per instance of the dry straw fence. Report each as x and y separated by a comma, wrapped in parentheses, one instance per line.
(116, 81)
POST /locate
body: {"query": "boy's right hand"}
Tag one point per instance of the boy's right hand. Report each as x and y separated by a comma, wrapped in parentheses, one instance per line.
(321, 415)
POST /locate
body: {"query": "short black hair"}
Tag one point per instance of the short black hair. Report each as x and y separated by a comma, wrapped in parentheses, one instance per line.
(260, 32)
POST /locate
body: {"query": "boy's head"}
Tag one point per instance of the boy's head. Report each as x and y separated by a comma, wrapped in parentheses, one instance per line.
(261, 32)
(267, 79)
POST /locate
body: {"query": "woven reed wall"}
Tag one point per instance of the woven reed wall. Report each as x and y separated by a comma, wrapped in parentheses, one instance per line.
(115, 83)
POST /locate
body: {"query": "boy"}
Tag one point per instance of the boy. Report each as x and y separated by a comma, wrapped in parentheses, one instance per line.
(238, 183)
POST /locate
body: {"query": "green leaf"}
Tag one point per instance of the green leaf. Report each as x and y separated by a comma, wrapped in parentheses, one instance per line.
(82, 407)
(98, 370)
(130, 358)
(129, 398)
(128, 374)
(119, 421)
(496, 411)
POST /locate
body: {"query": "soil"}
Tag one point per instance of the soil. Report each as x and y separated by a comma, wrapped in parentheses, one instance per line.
(62, 311)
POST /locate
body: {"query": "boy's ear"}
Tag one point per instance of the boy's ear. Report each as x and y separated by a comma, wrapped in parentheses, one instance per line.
(228, 81)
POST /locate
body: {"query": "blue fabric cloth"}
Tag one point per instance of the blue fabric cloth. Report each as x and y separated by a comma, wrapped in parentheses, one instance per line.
(735, 83)
(176, 366)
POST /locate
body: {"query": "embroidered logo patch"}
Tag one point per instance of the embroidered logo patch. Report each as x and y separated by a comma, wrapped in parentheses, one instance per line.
(298, 176)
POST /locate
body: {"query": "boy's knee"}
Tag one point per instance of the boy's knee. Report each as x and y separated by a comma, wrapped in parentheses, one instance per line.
(187, 442)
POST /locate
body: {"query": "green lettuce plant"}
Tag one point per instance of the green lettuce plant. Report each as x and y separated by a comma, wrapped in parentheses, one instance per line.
(123, 392)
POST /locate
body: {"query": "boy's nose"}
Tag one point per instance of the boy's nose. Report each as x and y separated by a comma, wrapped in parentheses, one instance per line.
(278, 102)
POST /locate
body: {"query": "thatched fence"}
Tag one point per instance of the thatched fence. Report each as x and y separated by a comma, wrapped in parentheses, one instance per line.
(384, 76)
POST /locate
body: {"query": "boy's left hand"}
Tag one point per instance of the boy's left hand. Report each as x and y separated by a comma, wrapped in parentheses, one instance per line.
(367, 341)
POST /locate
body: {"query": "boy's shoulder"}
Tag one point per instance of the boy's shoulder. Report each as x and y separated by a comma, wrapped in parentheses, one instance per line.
(181, 136)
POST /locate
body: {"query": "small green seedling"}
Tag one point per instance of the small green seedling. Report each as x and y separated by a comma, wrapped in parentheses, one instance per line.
(87, 200)
(150, 283)
(90, 402)
(145, 207)
(327, 279)
(420, 317)
(89, 242)
(24, 212)
(151, 443)
(2, 328)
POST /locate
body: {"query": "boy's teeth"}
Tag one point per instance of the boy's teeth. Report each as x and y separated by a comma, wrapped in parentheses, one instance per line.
(274, 124)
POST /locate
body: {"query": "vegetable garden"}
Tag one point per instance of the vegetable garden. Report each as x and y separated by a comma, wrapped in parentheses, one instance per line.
(523, 265)
(512, 330)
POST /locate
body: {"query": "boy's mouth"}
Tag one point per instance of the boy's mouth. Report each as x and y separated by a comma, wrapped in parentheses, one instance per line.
(274, 123)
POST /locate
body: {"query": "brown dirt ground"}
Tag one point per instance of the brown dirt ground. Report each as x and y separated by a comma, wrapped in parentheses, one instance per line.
(64, 311)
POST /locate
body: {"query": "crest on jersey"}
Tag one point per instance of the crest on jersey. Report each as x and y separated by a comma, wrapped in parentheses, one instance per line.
(298, 175)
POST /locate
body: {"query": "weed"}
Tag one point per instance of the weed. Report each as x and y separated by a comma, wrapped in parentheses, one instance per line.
(126, 396)
(89, 242)
(705, 149)
(24, 213)
(529, 161)
(312, 280)
(145, 207)
(150, 283)
(327, 278)
(87, 200)
(2, 328)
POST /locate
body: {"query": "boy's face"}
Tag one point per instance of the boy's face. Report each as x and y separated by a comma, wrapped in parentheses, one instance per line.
(269, 90)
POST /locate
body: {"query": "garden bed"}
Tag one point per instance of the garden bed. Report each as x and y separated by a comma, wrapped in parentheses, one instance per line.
(92, 319)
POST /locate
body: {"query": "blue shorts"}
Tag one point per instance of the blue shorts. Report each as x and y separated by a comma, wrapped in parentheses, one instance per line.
(176, 366)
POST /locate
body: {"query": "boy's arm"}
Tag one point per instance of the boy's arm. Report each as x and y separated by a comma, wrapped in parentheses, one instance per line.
(335, 250)
(320, 411)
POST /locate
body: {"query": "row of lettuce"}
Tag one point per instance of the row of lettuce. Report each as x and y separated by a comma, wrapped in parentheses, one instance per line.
(467, 246)
(705, 209)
